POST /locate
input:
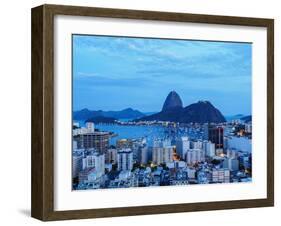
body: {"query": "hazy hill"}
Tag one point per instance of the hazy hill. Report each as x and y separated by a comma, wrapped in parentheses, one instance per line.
(129, 113)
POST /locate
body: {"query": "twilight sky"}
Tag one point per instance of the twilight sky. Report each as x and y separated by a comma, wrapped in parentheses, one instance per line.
(113, 73)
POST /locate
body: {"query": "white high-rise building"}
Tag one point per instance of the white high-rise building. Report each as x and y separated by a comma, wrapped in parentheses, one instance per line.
(125, 159)
(161, 143)
(231, 153)
(168, 153)
(95, 160)
(74, 145)
(194, 156)
(162, 154)
(225, 142)
(90, 126)
(166, 143)
(197, 144)
(231, 163)
(157, 143)
(209, 148)
(248, 128)
(144, 155)
(182, 145)
(157, 155)
(76, 165)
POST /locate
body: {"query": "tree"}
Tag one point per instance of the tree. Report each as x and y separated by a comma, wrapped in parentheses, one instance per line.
(215, 161)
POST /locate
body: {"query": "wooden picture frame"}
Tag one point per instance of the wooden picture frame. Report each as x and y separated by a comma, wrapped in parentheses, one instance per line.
(42, 203)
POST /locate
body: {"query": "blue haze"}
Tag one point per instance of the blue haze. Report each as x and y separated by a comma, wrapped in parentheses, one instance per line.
(113, 73)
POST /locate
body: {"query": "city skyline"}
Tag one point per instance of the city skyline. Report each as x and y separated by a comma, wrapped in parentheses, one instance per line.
(114, 73)
(186, 86)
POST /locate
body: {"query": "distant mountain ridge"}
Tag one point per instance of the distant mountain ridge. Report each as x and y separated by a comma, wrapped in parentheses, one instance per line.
(85, 114)
(101, 119)
(247, 118)
(200, 112)
(233, 117)
(172, 110)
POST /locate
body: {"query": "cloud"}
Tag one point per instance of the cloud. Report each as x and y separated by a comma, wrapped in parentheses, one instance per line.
(136, 64)
(109, 81)
(158, 56)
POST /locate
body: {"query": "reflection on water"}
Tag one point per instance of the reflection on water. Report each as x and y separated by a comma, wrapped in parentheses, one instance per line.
(133, 132)
(149, 132)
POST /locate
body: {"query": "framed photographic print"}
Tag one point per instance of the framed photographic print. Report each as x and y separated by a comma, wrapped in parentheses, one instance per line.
(141, 112)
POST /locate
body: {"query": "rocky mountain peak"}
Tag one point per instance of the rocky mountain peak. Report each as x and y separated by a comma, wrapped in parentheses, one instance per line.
(173, 100)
